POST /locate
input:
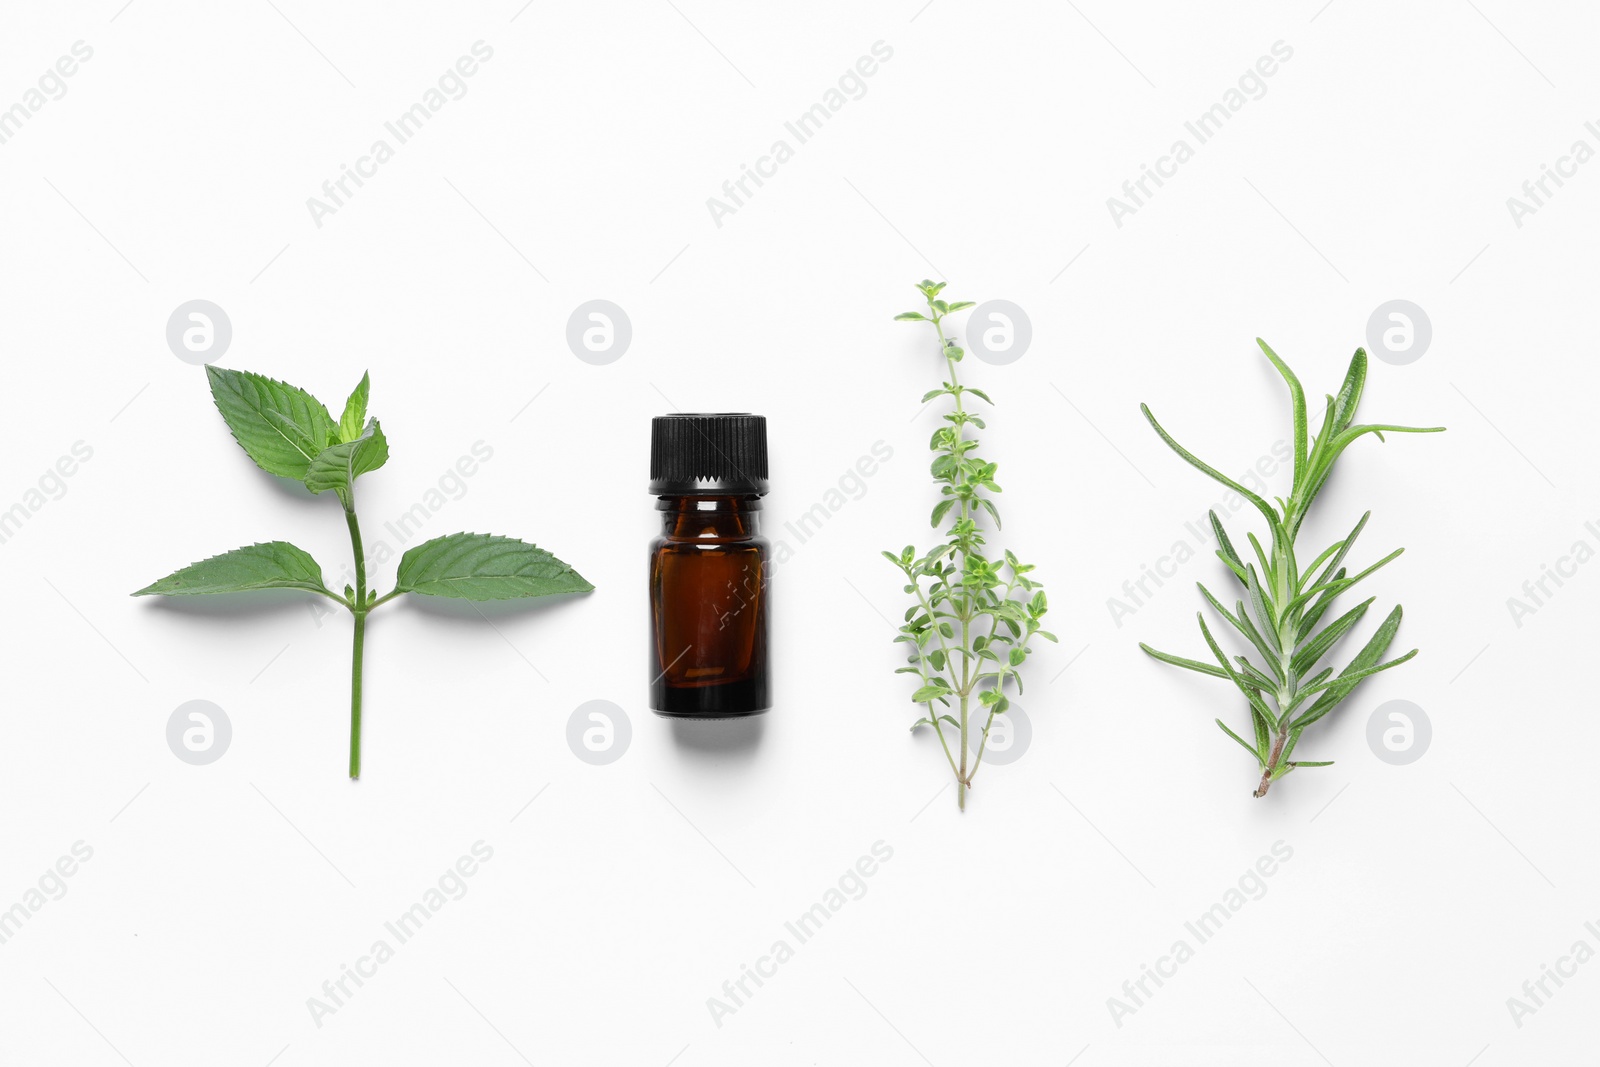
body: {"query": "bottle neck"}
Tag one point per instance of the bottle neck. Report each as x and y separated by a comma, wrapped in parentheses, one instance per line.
(709, 518)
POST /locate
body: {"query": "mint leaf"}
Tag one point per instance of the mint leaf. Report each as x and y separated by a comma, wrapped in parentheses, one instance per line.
(355, 411)
(279, 426)
(338, 466)
(471, 566)
(272, 565)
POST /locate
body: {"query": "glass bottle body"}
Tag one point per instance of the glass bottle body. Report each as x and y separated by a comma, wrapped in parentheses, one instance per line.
(708, 608)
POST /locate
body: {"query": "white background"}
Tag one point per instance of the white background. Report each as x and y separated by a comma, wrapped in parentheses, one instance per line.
(219, 899)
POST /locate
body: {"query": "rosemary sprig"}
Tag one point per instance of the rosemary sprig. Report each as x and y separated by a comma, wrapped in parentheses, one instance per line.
(1282, 601)
(957, 587)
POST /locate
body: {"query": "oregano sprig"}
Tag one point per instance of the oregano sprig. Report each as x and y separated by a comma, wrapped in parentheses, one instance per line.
(974, 619)
(1282, 601)
(289, 433)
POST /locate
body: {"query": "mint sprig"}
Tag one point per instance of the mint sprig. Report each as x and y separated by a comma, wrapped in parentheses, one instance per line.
(289, 433)
(1282, 601)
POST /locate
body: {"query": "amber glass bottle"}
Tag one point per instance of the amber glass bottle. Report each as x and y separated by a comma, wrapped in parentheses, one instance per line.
(709, 567)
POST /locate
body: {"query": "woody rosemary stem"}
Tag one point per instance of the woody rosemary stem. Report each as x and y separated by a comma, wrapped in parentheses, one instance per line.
(1271, 767)
(1287, 627)
(359, 609)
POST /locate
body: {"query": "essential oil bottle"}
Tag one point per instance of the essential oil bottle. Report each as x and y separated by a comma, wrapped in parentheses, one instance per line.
(708, 569)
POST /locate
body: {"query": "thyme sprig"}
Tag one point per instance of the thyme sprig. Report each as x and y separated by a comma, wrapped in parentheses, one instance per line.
(974, 619)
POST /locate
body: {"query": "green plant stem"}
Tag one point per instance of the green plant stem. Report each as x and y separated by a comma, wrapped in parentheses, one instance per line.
(945, 744)
(359, 609)
(933, 716)
(989, 722)
(1287, 627)
(994, 628)
(355, 695)
(961, 775)
(963, 778)
(1272, 765)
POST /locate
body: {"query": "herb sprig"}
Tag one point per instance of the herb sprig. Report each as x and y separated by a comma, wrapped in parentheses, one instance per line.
(1284, 601)
(289, 433)
(958, 588)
